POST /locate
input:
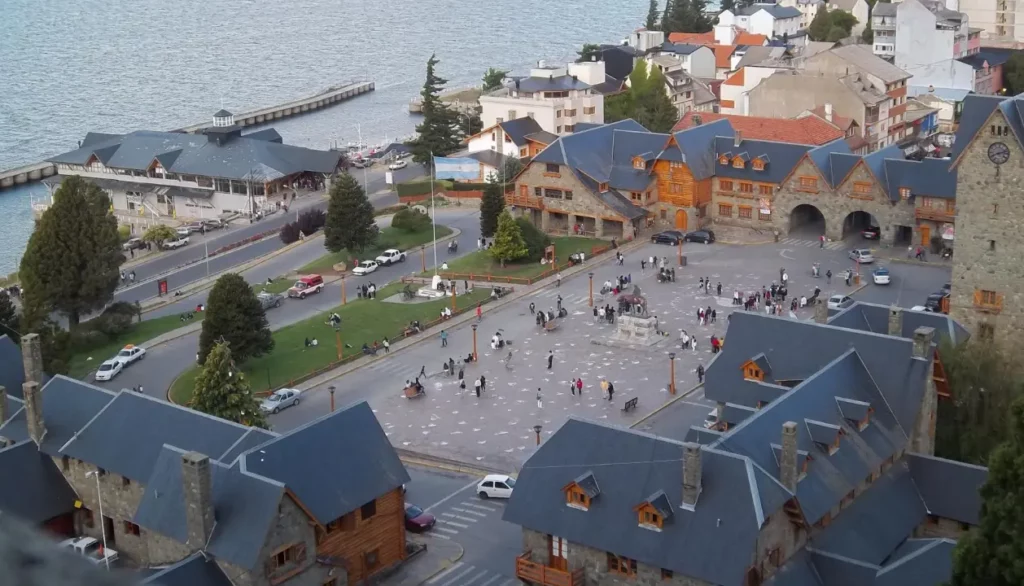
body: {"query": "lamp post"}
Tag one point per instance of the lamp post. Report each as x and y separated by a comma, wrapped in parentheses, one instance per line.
(679, 252)
(474, 342)
(331, 389)
(454, 295)
(423, 259)
(536, 430)
(103, 526)
(672, 373)
(591, 301)
(337, 342)
(344, 300)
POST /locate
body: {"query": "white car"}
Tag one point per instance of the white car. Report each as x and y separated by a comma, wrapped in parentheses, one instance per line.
(919, 308)
(839, 301)
(176, 243)
(391, 255)
(880, 276)
(365, 268)
(281, 399)
(109, 369)
(711, 420)
(496, 486)
(129, 354)
(93, 549)
(862, 255)
(399, 164)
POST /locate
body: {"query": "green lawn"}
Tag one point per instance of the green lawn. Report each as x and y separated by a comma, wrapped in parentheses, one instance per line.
(389, 238)
(84, 361)
(361, 321)
(481, 263)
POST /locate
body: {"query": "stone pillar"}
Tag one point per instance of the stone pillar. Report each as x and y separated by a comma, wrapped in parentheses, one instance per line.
(32, 357)
(821, 311)
(923, 337)
(788, 472)
(598, 228)
(197, 488)
(922, 439)
(33, 411)
(895, 321)
(691, 473)
(545, 220)
(720, 410)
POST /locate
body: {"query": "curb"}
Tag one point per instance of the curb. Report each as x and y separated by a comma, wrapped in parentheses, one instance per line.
(665, 405)
(167, 393)
(445, 564)
(457, 468)
(921, 263)
(737, 243)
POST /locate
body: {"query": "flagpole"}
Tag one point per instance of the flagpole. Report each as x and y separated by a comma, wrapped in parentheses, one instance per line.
(433, 213)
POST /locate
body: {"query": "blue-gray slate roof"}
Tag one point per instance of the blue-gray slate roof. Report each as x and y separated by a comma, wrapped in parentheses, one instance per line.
(927, 562)
(876, 163)
(252, 438)
(679, 48)
(551, 84)
(244, 504)
(68, 405)
(951, 490)
(774, 9)
(975, 113)
(930, 177)
(812, 404)
(872, 317)
(698, 143)
(127, 436)
(363, 464)
(824, 156)
(519, 128)
(197, 154)
(12, 371)
(718, 534)
(31, 486)
(195, 570)
(779, 159)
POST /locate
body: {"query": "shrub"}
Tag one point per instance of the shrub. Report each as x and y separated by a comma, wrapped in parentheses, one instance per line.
(289, 233)
(410, 220)
(111, 324)
(536, 241)
(124, 231)
(87, 339)
(122, 308)
(310, 221)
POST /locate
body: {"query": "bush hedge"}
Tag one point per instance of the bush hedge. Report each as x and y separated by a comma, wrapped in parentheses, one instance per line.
(536, 241)
(410, 220)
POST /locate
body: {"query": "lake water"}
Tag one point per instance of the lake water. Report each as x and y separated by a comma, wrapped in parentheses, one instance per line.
(71, 67)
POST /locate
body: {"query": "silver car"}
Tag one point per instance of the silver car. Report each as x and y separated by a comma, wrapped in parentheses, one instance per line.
(862, 255)
(281, 399)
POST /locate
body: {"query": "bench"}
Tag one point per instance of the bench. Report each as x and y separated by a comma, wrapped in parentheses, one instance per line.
(629, 405)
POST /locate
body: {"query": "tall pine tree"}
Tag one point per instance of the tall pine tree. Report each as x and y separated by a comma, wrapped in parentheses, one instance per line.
(652, 16)
(73, 256)
(992, 554)
(654, 109)
(821, 24)
(222, 390)
(235, 316)
(492, 204)
(509, 243)
(350, 224)
(8, 316)
(436, 134)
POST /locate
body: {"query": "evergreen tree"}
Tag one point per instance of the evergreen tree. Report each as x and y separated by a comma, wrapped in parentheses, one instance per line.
(493, 78)
(158, 234)
(8, 315)
(682, 17)
(820, 25)
(436, 135)
(508, 243)
(652, 16)
(701, 22)
(654, 109)
(729, 5)
(639, 79)
(222, 391)
(491, 206)
(589, 52)
(666, 17)
(235, 316)
(350, 224)
(73, 256)
(993, 553)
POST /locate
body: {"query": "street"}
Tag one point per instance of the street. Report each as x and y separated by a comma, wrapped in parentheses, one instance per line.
(166, 361)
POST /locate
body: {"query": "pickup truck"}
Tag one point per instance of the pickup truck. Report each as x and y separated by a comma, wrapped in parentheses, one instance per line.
(390, 256)
(175, 243)
(269, 300)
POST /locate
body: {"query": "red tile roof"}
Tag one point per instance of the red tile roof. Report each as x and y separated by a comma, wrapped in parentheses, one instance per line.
(723, 55)
(707, 38)
(750, 39)
(809, 130)
(842, 122)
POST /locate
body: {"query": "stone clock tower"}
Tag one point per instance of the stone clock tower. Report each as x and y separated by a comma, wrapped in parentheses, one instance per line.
(988, 257)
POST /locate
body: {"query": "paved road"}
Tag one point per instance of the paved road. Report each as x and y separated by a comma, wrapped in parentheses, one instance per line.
(164, 264)
(165, 362)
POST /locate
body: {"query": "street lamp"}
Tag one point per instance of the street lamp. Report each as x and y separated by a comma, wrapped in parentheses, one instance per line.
(331, 389)
(344, 300)
(672, 373)
(423, 258)
(337, 342)
(536, 430)
(679, 252)
(591, 275)
(474, 342)
(103, 526)
(454, 295)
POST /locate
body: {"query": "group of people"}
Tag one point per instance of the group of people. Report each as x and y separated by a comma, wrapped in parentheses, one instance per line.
(367, 291)
(654, 262)
(606, 313)
(666, 275)
(618, 286)
(187, 316)
(706, 316)
(705, 285)
(128, 277)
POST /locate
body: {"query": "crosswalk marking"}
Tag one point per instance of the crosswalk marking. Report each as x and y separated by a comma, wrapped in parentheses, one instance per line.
(454, 567)
(439, 535)
(478, 506)
(447, 522)
(467, 511)
(567, 299)
(491, 581)
(474, 578)
(447, 530)
(832, 245)
(462, 575)
(456, 578)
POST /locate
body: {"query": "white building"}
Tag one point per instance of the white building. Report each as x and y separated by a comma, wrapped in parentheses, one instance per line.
(519, 138)
(771, 20)
(557, 97)
(915, 33)
(697, 60)
(735, 89)
(883, 25)
(808, 9)
(860, 10)
(644, 40)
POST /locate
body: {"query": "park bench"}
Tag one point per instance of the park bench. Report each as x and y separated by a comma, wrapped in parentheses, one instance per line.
(629, 405)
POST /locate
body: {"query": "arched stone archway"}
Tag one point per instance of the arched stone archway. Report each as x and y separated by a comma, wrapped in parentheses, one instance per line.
(857, 222)
(806, 220)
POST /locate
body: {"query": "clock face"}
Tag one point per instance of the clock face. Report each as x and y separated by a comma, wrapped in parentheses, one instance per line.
(998, 153)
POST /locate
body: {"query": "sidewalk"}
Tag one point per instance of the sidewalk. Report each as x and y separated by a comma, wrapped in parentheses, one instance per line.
(736, 235)
(900, 254)
(440, 555)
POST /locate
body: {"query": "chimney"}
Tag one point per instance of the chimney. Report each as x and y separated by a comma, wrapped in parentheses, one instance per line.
(787, 462)
(33, 411)
(820, 311)
(737, 139)
(198, 491)
(923, 337)
(828, 112)
(895, 321)
(691, 473)
(32, 357)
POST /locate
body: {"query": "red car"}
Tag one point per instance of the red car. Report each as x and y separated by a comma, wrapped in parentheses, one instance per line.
(416, 520)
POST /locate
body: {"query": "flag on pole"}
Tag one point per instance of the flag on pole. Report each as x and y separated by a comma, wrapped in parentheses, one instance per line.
(452, 168)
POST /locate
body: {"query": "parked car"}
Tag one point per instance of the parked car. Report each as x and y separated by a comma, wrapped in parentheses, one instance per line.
(365, 268)
(399, 164)
(667, 237)
(281, 399)
(94, 551)
(417, 520)
(880, 276)
(711, 420)
(108, 370)
(216, 224)
(862, 255)
(705, 236)
(129, 354)
(175, 243)
(391, 255)
(935, 301)
(947, 288)
(307, 285)
(358, 163)
(269, 300)
(133, 244)
(871, 233)
(497, 486)
(840, 301)
(919, 308)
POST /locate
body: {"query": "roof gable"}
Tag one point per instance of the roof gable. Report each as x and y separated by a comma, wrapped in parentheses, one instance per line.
(974, 117)
(31, 486)
(195, 570)
(519, 128)
(872, 317)
(950, 489)
(697, 145)
(779, 159)
(68, 405)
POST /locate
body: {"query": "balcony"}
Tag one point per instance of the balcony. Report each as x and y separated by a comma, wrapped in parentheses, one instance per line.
(531, 571)
(524, 201)
(936, 215)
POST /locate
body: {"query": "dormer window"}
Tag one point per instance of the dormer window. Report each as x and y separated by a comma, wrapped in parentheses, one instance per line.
(824, 435)
(758, 164)
(581, 491)
(574, 497)
(638, 163)
(652, 513)
(724, 159)
(857, 414)
(739, 163)
(752, 372)
(904, 193)
(603, 187)
(650, 518)
(757, 368)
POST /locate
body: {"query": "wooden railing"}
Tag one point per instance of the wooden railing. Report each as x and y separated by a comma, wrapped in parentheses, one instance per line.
(531, 571)
(524, 201)
(939, 215)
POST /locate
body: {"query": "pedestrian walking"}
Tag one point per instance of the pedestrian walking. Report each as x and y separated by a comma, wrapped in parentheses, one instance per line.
(700, 373)
(558, 280)
(479, 312)
(131, 251)
(387, 345)
(718, 288)
(572, 387)
(131, 276)
(483, 382)
(476, 387)
(611, 391)
(821, 241)
(828, 277)
(579, 386)
(444, 339)
(551, 358)
(540, 401)
(643, 267)
(423, 371)
(701, 283)
(604, 387)
(714, 315)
